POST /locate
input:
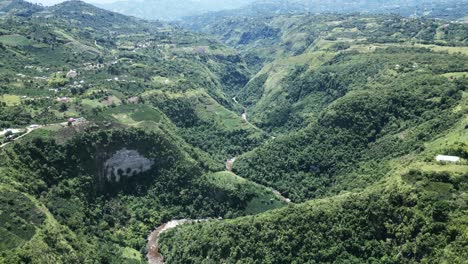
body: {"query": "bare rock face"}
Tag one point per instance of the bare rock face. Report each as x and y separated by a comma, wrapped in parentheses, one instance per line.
(126, 163)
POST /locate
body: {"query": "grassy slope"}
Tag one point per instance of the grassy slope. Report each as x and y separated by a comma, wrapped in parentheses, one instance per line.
(219, 186)
(264, 200)
(146, 56)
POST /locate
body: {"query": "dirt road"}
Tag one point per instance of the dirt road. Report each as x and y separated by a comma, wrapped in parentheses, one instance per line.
(28, 131)
(31, 129)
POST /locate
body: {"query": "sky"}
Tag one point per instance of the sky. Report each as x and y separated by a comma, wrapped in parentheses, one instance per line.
(53, 2)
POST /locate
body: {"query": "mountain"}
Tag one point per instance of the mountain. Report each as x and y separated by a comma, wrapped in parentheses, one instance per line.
(313, 69)
(355, 132)
(406, 8)
(18, 7)
(166, 10)
(443, 9)
(170, 10)
(270, 135)
(117, 119)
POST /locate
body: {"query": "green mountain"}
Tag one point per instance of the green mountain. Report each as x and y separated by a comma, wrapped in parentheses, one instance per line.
(372, 100)
(137, 93)
(305, 62)
(276, 136)
(102, 46)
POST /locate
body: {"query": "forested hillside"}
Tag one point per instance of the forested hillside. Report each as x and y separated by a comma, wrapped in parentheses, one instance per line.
(359, 106)
(417, 218)
(268, 134)
(116, 125)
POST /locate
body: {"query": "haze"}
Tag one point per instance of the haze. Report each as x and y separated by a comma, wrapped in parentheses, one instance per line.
(53, 2)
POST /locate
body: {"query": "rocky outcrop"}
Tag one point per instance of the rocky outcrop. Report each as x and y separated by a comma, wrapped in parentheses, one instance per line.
(126, 163)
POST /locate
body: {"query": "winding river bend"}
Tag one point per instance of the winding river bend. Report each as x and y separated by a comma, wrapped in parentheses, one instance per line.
(153, 255)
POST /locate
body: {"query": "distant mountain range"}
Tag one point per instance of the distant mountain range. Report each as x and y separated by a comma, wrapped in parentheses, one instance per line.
(171, 10)
(175, 10)
(181, 10)
(18, 7)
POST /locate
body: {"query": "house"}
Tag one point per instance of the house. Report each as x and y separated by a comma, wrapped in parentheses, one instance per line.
(63, 99)
(443, 158)
(134, 100)
(72, 74)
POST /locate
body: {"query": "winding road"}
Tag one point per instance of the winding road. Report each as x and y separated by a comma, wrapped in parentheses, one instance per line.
(28, 131)
(32, 128)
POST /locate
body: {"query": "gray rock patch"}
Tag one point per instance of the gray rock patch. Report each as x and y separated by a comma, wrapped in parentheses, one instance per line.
(126, 163)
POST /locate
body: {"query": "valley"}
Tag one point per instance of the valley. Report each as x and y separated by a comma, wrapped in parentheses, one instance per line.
(261, 135)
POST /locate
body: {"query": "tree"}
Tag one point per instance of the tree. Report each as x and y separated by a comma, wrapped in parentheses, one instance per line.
(63, 107)
(8, 133)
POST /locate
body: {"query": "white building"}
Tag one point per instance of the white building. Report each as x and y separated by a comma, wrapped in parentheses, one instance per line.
(443, 158)
(72, 74)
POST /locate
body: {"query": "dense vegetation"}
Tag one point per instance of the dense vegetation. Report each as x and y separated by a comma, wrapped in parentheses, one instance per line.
(70, 181)
(392, 224)
(109, 73)
(118, 125)
(371, 102)
(364, 124)
(267, 38)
